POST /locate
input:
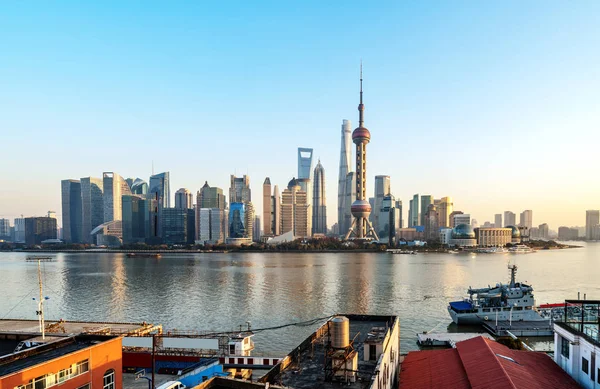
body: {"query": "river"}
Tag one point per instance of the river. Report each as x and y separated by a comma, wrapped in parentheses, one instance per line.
(222, 291)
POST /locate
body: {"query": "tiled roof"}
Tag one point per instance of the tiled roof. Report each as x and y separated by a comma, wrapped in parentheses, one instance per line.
(482, 363)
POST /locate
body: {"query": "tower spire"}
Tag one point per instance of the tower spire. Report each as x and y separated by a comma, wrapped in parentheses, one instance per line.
(361, 107)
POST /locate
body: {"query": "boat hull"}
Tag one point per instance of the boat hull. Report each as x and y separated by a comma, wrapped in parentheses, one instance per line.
(479, 317)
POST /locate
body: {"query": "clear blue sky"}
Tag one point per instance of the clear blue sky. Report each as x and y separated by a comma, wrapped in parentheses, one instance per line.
(494, 103)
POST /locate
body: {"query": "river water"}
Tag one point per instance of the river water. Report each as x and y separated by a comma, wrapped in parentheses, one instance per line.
(222, 291)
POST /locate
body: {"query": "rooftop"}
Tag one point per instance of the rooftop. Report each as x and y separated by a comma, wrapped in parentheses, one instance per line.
(63, 327)
(303, 368)
(229, 383)
(482, 363)
(16, 362)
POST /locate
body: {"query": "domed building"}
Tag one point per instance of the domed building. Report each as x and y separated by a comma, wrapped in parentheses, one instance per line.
(515, 234)
(463, 236)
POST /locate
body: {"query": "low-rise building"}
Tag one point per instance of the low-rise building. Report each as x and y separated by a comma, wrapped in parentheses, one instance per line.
(77, 362)
(493, 237)
(481, 363)
(577, 342)
(356, 351)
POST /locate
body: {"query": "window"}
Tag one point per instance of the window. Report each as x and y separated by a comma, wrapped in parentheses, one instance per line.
(86, 386)
(584, 365)
(598, 376)
(109, 380)
(372, 352)
(564, 347)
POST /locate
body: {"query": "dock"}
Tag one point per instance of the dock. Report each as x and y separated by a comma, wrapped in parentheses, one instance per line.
(40, 259)
(519, 328)
(447, 339)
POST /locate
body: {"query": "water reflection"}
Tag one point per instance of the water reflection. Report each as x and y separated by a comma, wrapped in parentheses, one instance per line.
(221, 292)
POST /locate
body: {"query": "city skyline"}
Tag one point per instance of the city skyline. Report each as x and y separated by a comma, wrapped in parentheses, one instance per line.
(454, 86)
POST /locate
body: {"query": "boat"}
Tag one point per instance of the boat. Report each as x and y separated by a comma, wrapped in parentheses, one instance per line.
(520, 249)
(143, 255)
(492, 250)
(503, 302)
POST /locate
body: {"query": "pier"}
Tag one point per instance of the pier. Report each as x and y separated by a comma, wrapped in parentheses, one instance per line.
(519, 328)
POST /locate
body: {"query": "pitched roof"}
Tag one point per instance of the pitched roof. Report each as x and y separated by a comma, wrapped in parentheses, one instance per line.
(482, 363)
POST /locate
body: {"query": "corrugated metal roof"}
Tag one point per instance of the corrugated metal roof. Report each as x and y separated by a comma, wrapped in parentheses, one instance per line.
(482, 363)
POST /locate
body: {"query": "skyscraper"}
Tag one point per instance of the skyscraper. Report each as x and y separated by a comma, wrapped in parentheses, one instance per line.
(184, 199)
(361, 227)
(239, 190)
(139, 187)
(350, 197)
(114, 188)
(510, 219)
(305, 162)
(382, 189)
(276, 211)
(431, 223)
(38, 229)
(256, 229)
(177, 226)
(543, 230)
(241, 212)
(319, 203)
(5, 229)
(267, 208)
(71, 211)
(453, 221)
(294, 210)
(211, 216)
(210, 197)
(160, 189)
(592, 219)
(445, 208)
(20, 229)
(415, 219)
(92, 206)
(410, 212)
(426, 200)
(136, 216)
(526, 218)
(389, 218)
(498, 220)
(345, 163)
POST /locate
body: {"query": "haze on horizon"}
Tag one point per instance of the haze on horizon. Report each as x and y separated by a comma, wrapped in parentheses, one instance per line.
(495, 104)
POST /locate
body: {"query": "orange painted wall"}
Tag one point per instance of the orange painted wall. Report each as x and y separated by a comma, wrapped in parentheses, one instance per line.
(102, 357)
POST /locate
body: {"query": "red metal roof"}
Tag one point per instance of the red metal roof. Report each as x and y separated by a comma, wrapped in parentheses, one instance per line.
(482, 363)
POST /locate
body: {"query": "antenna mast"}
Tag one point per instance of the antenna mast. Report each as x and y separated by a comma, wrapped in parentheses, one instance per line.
(41, 303)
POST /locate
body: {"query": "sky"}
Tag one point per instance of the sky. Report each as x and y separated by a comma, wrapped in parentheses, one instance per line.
(493, 103)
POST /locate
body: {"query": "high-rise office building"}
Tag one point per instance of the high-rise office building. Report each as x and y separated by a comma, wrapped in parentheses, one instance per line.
(592, 219)
(5, 229)
(426, 200)
(389, 218)
(382, 189)
(350, 197)
(160, 189)
(276, 211)
(256, 229)
(410, 212)
(498, 220)
(177, 226)
(431, 223)
(319, 203)
(39, 229)
(212, 226)
(239, 190)
(267, 208)
(294, 210)
(445, 208)
(415, 219)
(345, 167)
(184, 199)
(361, 226)
(139, 187)
(461, 218)
(306, 186)
(92, 206)
(544, 231)
(114, 187)
(19, 229)
(241, 219)
(305, 162)
(510, 219)
(451, 218)
(72, 216)
(210, 197)
(526, 218)
(136, 218)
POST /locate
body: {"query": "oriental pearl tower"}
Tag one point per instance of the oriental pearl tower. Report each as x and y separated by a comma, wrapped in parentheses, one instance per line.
(361, 227)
